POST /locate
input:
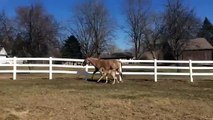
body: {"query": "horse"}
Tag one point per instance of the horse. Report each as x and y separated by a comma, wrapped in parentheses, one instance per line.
(106, 73)
(105, 64)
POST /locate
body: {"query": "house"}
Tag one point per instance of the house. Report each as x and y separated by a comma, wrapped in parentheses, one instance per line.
(198, 49)
(3, 54)
(151, 55)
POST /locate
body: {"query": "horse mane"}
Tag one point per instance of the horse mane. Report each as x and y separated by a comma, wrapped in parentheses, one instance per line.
(93, 61)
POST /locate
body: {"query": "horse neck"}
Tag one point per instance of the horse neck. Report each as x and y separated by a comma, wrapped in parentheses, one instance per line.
(94, 62)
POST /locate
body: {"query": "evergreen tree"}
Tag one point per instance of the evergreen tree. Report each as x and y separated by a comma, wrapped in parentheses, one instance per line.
(207, 31)
(71, 48)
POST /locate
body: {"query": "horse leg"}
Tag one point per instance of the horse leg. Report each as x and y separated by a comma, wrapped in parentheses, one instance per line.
(120, 76)
(106, 79)
(96, 70)
(101, 77)
(113, 81)
(114, 77)
(117, 78)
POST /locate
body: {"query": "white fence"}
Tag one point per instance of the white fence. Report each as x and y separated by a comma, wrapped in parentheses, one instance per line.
(131, 67)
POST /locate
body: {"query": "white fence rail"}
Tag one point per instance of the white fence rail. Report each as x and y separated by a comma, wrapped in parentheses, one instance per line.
(131, 67)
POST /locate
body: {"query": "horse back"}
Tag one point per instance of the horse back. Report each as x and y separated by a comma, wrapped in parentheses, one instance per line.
(111, 64)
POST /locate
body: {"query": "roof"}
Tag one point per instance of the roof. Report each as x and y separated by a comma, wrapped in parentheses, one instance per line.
(3, 52)
(148, 55)
(198, 44)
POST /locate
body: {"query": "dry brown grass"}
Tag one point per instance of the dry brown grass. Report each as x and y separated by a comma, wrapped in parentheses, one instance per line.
(66, 97)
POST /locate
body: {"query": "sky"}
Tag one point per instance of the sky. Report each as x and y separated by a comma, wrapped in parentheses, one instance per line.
(62, 11)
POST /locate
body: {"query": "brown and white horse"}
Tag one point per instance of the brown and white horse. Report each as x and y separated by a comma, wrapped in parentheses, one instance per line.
(104, 66)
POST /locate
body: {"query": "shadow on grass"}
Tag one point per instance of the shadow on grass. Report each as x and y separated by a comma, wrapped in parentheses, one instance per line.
(91, 80)
(95, 80)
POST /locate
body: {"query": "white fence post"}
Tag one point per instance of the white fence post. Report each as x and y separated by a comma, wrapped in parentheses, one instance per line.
(190, 70)
(86, 69)
(14, 68)
(50, 68)
(120, 69)
(155, 70)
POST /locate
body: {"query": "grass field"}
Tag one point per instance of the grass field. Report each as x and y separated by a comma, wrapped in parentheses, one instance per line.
(68, 97)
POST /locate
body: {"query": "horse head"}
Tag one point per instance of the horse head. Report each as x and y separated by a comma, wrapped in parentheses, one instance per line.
(90, 60)
(86, 61)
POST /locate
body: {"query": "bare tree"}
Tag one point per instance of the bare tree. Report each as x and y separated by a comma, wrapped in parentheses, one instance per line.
(92, 26)
(6, 32)
(137, 17)
(19, 47)
(152, 36)
(180, 25)
(39, 30)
